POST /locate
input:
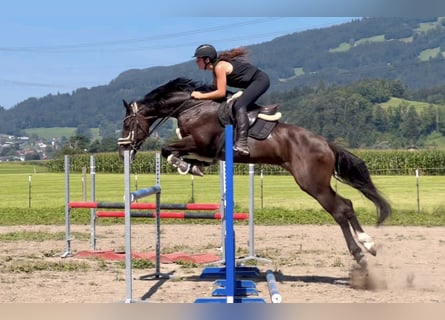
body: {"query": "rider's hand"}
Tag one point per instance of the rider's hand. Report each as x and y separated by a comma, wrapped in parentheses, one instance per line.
(197, 95)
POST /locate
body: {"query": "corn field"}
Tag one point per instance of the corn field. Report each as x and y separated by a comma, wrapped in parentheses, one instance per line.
(379, 162)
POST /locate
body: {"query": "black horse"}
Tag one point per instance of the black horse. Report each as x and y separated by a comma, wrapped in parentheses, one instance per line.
(310, 158)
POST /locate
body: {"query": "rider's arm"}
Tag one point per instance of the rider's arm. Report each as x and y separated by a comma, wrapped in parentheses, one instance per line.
(220, 80)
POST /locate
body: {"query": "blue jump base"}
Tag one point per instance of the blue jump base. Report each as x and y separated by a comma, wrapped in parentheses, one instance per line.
(231, 289)
(235, 300)
(216, 272)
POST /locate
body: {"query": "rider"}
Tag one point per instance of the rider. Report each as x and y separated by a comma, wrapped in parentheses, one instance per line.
(230, 68)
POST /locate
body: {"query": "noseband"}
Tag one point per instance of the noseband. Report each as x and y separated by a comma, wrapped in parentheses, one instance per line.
(135, 126)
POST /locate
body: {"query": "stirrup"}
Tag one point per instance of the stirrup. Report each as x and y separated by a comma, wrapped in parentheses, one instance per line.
(244, 150)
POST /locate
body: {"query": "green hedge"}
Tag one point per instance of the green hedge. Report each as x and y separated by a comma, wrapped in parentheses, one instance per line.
(394, 162)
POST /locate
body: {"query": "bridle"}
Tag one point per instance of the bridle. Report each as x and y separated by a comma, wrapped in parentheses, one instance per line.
(135, 126)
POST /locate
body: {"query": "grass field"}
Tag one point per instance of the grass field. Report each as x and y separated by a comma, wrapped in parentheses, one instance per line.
(48, 190)
(42, 190)
(21, 168)
(418, 105)
(58, 132)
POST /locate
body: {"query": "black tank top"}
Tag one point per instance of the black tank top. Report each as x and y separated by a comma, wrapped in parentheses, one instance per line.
(242, 73)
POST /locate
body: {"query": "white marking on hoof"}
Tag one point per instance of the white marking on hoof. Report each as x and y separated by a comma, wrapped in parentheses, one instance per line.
(367, 242)
(184, 172)
(178, 163)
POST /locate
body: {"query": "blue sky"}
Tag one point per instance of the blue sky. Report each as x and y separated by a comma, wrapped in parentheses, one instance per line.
(51, 46)
(44, 49)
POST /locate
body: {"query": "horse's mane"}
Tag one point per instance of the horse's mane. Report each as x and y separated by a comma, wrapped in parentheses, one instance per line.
(173, 86)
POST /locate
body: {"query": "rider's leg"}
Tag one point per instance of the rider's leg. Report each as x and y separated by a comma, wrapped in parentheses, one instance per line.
(242, 125)
(259, 85)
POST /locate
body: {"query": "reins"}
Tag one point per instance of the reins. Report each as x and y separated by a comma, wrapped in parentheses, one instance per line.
(131, 138)
(164, 119)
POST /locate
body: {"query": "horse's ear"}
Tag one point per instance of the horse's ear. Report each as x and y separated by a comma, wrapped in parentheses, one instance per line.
(126, 105)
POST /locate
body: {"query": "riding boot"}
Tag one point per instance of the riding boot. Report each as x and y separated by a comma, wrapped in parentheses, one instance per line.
(242, 126)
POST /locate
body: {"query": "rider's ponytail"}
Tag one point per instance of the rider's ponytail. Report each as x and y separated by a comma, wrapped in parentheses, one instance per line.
(233, 53)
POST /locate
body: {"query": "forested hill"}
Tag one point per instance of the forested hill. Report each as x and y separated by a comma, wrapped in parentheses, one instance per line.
(410, 50)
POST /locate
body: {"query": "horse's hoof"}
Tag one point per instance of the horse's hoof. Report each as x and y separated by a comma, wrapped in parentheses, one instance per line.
(367, 243)
(372, 250)
(183, 169)
(182, 166)
(363, 262)
(196, 171)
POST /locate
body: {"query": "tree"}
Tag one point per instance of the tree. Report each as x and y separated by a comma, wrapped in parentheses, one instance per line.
(75, 145)
(377, 90)
(152, 144)
(409, 127)
(83, 130)
(380, 119)
(106, 145)
(8, 151)
(394, 115)
(107, 129)
(428, 120)
(32, 156)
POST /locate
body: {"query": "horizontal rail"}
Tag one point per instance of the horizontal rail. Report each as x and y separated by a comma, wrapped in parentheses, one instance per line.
(142, 193)
(170, 215)
(142, 205)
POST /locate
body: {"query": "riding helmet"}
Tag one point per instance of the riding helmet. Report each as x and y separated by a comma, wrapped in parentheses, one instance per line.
(206, 50)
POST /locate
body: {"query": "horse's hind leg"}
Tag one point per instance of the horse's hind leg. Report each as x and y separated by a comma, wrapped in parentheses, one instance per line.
(342, 211)
(362, 236)
(318, 186)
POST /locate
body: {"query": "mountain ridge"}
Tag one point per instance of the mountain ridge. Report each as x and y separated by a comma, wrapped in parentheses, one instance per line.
(368, 48)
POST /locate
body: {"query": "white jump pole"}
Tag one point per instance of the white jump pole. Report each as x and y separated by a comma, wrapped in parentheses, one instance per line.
(252, 255)
(93, 198)
(128, 198)
(67, 208)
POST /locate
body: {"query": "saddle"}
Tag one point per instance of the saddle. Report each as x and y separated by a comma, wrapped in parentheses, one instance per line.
(262, 119)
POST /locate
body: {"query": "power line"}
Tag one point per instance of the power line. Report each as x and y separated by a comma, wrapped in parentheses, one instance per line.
(103, 44)
(35, 84)
(144, 43)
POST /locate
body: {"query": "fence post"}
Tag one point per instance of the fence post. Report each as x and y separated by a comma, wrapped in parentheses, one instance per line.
(417, 188)
(29, 190)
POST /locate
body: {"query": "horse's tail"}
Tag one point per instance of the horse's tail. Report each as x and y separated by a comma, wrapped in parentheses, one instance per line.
(352, 170)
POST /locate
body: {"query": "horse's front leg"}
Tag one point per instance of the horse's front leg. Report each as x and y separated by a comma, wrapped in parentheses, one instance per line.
(174, 152)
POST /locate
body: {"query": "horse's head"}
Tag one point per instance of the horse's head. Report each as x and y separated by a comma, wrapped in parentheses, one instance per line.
(166, 101)
(135, 129)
